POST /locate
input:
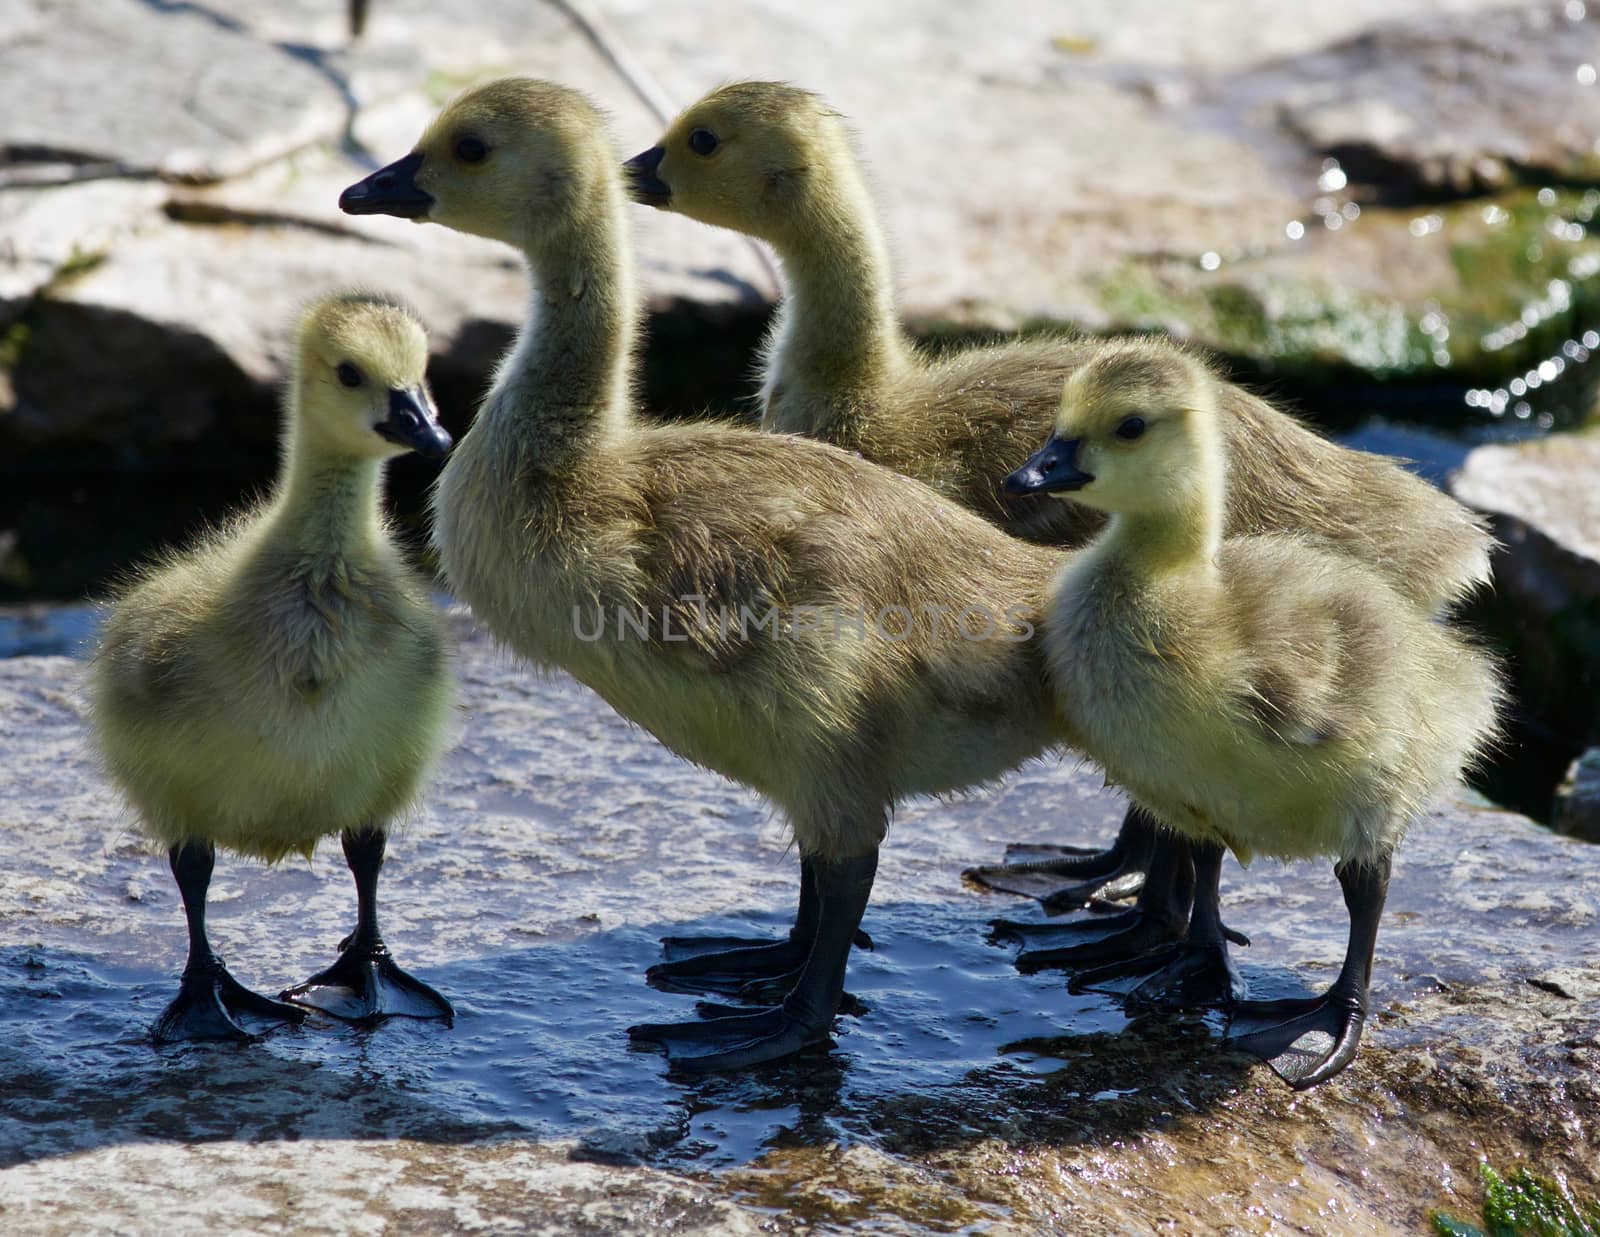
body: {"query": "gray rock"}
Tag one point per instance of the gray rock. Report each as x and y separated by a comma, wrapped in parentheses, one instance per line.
(558, 843)
(188, 93)
(1543, 498)
(48, 233)
(1578, 798)
(1454, 105)
(1551, 485)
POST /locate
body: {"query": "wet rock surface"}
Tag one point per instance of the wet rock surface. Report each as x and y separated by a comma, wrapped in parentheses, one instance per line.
(556, 847)
(1450, 104)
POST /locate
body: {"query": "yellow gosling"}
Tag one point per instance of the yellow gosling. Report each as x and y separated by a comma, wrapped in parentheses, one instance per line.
(286, 677)
(1255, 692)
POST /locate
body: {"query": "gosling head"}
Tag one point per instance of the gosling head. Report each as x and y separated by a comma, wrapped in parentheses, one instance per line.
(1134, 433)
(514, 160)
(742, 157)
(360, 363)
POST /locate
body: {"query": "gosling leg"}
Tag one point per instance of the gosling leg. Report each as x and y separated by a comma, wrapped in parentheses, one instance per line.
(209, 998)
(1116, 872)
(806, 1014)
(1309, 1041)
(365, 985)
(741, 967)
(1194, 972)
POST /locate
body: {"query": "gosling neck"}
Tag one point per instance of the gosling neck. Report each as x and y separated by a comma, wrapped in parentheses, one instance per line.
(567, 382)
(838, 327)
(1182, 536)
(328, 504)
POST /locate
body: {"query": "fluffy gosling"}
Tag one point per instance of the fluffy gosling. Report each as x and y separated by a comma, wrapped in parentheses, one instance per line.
(287, 678)
(1258, 692)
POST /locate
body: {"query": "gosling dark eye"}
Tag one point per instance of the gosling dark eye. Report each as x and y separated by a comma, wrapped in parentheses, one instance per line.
(1130, 428)
(349, 375)
(471, 149)
(702, 141)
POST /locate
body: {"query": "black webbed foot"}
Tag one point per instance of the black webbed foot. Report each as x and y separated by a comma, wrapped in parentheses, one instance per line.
(1122, 937)
(1065, 878)
(1182, 975)
(742, 971)
(1160, 917)
(1030, 932)
(209, 1004)
(365, 985)
(730, 1042)
(830, 914)
(743, 968)
(1307, 1041)
(678, 948)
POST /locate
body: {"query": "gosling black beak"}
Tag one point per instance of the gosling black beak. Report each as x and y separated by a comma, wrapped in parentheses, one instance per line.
(643, 184)
(1052, 469)
(389, 191)
(412, 423)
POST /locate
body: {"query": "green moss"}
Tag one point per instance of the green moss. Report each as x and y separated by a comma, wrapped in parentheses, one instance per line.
(78, 264)
(1305, 326)
(1239, 313)
(1525, 1205)
(1518, 279)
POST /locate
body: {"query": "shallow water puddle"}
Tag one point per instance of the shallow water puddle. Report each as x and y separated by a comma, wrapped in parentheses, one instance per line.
(538, 1047)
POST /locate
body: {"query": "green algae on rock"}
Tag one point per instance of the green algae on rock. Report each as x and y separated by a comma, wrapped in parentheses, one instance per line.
(1526, 1205)
(1470, 293)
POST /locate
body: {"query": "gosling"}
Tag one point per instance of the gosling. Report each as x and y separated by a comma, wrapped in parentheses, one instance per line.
(775, 162)
(559, 505)
(1255, 692)
(287, 677)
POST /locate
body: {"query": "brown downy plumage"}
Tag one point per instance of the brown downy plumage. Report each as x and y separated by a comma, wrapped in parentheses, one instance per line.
(287, 677)
(1257, 691)
(562, 519)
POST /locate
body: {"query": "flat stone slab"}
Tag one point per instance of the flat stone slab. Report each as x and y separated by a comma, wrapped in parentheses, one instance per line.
(1159, 168)
(559, 843)
(1551, 484)
(181, 91)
